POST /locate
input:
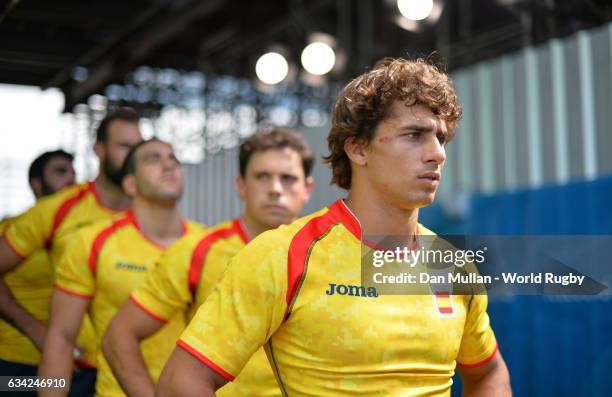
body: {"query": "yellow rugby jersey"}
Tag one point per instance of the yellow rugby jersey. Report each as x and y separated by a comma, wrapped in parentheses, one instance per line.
(30, 283)
(46, 226)
(185, 276)
(105, 262)
(289, 291)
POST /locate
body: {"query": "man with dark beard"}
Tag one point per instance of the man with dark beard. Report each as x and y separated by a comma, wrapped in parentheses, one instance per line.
(30, 283)
(51, 172)
(104, 262)
(52, 219)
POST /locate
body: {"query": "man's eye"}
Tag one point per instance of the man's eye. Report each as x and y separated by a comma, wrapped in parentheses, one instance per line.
(151, 159)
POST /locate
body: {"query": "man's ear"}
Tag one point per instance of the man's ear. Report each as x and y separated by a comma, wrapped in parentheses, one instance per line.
(129, 185)
(100, 150)
(309, 186)
(355, 150)
(36, 186)
(241, 188)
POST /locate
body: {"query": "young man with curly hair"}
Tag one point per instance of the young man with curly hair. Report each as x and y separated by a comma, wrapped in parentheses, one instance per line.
(286, 290)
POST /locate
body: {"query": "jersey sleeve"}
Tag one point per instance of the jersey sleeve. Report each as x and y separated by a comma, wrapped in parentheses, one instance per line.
(166, 289)
(243, 311)
(30, 231)
(73, 274)
(478, 344)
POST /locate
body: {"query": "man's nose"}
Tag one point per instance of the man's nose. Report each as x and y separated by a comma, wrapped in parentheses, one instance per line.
(276, 186)
(434, 150)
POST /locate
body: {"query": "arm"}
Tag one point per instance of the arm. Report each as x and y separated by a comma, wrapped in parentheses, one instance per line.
(10, 310)
(488, 380)
(66, 315)
(186, 376)
(121, 347)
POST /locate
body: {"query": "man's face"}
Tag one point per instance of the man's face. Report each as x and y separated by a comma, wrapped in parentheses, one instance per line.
(58, 174)
(274, 187)
(122, 136)
(158, 175)
(406, 156)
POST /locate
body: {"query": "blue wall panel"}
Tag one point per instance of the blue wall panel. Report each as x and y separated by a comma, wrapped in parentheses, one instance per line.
(554, 346)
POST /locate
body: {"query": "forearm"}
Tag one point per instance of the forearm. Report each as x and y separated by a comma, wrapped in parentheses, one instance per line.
(13, 313)
(56, 360)
(122, 351)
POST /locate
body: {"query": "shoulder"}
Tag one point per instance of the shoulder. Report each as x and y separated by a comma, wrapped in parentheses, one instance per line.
(102, 229)
(5, 222)
(283, 239)
(193, 227)
(423, 231)
(67, 196)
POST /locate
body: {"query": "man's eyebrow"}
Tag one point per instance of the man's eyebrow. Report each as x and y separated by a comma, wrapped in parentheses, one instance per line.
(151, 154)
(418, 127)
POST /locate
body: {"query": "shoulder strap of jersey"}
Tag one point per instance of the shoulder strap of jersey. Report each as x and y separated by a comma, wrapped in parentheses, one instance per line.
(198, 257)
(101, 238)
(64, 209)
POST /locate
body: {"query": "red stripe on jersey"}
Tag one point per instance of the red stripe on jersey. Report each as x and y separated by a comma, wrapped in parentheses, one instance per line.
(198, 257)
(237, 224)
(303, 240)
(149, 312)
(482, 362)
(226, 375)
(82, 363)
(340, 212)
(101, 238)
(64, 209)
(69, 292)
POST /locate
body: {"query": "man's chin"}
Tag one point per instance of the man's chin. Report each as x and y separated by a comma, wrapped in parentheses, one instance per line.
(168, 198)
(421, 202)
(274, 221)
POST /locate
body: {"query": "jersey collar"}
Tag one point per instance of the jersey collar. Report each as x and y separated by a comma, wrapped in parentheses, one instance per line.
(240, 229)
(130, 215)
(339, 211)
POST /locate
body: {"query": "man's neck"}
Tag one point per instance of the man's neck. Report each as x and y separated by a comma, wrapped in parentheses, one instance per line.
(379, 217)
(253, 227)
(159, 222)
(111, 196)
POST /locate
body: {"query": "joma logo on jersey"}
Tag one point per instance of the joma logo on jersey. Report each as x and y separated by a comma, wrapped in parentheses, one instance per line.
(352, 290)
(130, 266)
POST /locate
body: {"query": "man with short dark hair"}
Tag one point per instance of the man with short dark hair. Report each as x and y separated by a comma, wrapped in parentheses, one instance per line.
(105, 261)
(274, 184)
(52, 219)
(30, 283)
(51, 172)
(387, 141)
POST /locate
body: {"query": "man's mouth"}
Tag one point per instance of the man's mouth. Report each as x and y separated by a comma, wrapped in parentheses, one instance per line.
(431, 176)
(275, 207)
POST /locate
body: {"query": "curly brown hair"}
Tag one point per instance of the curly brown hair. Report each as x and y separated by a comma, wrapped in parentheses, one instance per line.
(367, 100)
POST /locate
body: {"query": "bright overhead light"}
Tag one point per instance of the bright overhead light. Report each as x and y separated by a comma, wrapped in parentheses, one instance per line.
(415, 10)
(271, 68)
(318, 58)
